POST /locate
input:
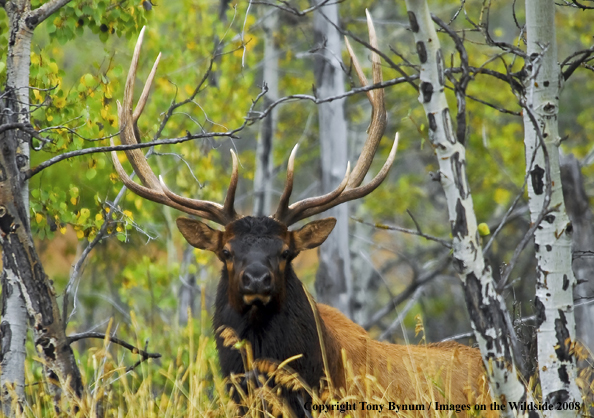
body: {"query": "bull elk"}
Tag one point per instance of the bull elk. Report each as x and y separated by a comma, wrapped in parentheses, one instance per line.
(261, 299)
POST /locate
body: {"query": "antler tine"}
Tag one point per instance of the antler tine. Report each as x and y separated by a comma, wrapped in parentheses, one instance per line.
(214, 211)
(283, 204)
(358, 69)
(152, 188)
(305, 204)
(145, 91)
(356, 193)
(350, 187)
(229, 205)
(221, 214)
(128, 129)
(151, 194)
(378, 118)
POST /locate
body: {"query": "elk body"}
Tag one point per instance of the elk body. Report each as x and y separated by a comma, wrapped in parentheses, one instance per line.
(262, 301)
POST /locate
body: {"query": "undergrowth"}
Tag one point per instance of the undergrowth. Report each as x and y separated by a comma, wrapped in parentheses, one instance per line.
(186, 382)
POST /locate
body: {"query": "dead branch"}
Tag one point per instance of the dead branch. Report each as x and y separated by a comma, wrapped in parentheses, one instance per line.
(144, 355)
(293, 10)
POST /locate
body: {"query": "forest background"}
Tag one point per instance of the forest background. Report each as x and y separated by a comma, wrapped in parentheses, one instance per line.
(139, 279)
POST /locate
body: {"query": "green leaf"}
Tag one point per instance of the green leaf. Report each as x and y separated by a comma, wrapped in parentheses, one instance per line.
(89, 79)
(91, 173)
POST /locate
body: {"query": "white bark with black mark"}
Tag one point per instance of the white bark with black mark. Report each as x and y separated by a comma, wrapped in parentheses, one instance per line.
(554, 280)
(487, 310)
(22, 269)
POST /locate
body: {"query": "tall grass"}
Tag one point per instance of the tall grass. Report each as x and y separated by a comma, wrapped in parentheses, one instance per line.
(186, 382)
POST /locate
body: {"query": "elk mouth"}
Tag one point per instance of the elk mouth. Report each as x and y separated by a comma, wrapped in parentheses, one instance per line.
(251, 299)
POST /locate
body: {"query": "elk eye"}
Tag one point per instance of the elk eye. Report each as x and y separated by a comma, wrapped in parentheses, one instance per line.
(285, 254)
(226, 254)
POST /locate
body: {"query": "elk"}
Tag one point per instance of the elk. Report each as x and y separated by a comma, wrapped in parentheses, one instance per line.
(261, 299)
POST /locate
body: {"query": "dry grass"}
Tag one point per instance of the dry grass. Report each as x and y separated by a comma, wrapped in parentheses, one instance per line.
(190, 385)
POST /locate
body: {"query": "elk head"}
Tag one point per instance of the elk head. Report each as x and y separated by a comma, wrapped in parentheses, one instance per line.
(255, 251)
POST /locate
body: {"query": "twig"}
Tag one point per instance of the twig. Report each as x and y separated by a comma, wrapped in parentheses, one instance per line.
(418, 232)
(460, 85)
(394, 325)
(573, 65)
(406, 293)
(144, 355)
(516, 321)
(290, 9)
(189, 136)
(582, 6)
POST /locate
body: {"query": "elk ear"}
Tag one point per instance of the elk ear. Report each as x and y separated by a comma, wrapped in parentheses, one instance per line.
(200, 235)
(313, 234)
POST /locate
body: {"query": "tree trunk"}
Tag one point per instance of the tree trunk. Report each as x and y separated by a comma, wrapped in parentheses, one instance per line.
(333, 278)
(22, 265)
(264, 163)
(22, 269)
(488, 314)
(580, 214)
(554, 280)
(14, 313)
(188, 289)
(367, 278)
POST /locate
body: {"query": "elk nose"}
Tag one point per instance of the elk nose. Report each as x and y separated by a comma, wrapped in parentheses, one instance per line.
(256, 279)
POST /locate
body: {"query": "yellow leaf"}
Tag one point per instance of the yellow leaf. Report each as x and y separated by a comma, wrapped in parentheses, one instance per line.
(59, 102)
(74, 200)
(50, 118)
(501, 196)
(119, 228)
(483, 229)
(80, 234)
(63, 230)
(98, 217)
(38, 217)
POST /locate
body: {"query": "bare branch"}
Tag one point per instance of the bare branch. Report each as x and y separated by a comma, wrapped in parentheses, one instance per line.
(445, 243)
(582, 6)
(144, 355)
(573, 65)
(461, 85)
(422, 280)
(44, 11)
(290, 9)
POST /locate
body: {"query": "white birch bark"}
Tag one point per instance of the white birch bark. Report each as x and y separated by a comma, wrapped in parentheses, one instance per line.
(555, 280)
(14, 313)
(13, 333)
(33, 295)
(487, 310)
(333, 278)
(264, 162)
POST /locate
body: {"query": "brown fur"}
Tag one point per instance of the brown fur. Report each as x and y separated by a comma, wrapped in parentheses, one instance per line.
(443, 372)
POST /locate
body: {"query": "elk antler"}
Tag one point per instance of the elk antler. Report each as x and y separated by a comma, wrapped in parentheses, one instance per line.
(152, 188)
(350, 188)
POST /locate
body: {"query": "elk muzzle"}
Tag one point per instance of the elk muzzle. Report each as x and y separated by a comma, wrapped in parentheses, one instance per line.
(256, 284)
